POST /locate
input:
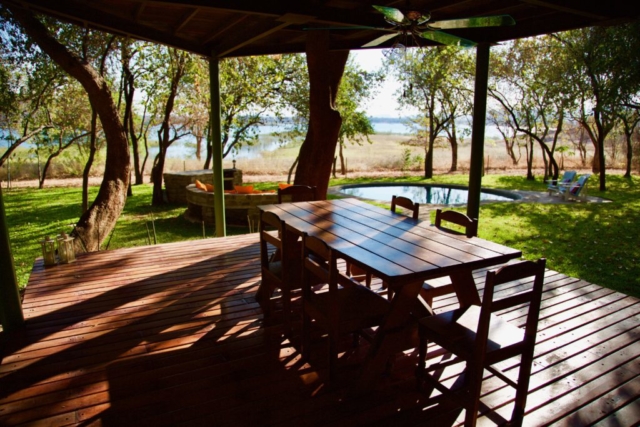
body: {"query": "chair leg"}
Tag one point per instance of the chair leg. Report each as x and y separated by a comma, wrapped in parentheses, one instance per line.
(333, 357)
(263, 296)
(286, 311)
(522, 390)
(356, 339)
(389, 291)
(305, 334)
(422, 355)
(475, 372)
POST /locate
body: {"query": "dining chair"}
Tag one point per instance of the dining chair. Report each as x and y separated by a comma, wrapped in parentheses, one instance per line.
(279, 272)
(470, 225)
(396, 201)
(405, 203)
(345, 307)
(465, 226)
(481, 338)
(297, 193)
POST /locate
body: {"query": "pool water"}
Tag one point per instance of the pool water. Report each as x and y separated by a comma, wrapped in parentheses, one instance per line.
(429, 194)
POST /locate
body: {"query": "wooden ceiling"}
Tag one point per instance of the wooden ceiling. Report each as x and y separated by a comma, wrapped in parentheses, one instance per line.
(257, 27)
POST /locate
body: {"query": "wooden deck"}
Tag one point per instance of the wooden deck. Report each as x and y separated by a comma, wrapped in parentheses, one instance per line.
(171, 335)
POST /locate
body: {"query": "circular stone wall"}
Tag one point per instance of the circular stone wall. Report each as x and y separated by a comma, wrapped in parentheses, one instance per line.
(239, 208)
(176, 182)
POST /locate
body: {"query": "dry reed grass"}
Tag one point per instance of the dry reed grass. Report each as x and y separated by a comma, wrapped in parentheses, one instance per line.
(387, 155)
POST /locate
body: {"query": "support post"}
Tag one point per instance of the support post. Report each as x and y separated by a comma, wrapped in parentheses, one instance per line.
(10, 307)
(477, 130)
(216, 141)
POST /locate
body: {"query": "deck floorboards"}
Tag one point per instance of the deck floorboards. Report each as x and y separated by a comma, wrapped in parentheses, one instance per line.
(171, 335)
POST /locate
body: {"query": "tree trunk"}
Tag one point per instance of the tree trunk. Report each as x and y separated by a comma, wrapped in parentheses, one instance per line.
(164, 134)
(453, 140)
(628, 134)
(318, 149)
(602, 133)
(291, 169)
(92, 155)
(428, 159)
(129, 125)
(97, 222)
(530, 176)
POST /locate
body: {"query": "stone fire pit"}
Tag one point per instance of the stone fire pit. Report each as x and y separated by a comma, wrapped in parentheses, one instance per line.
(238, 207)
(175, 182)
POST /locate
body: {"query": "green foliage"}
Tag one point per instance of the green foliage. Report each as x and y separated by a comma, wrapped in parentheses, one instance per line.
(356, 87)
(436, 81)
(409, 162)
(251, 88)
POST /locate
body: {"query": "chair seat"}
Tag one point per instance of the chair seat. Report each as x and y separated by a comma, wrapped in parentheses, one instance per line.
(458, 327)
(359, 307)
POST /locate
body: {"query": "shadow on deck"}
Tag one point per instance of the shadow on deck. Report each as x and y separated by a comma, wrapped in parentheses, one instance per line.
(172, 335)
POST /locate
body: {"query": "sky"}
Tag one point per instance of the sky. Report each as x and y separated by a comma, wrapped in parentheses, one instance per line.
(384, 104)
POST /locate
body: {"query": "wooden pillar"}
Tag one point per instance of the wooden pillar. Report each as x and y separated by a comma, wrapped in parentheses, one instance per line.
(216, 142)
(11, 315)
(477, 130)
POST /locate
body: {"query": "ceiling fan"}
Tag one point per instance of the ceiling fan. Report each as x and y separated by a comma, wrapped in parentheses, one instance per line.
(413, 23)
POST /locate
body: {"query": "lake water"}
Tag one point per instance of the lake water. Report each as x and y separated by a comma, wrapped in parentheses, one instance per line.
(185, 148)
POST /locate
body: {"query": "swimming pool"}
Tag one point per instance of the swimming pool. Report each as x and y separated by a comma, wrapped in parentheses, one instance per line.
(423, 193)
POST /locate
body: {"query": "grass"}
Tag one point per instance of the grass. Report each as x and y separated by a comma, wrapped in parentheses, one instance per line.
(33, 214)
(596, 242)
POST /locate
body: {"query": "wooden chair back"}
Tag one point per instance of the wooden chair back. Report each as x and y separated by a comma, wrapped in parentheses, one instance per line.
(347, 307)
(297, 193)
(469, 224)
(406, 203)
(481, 338)
(279, 270)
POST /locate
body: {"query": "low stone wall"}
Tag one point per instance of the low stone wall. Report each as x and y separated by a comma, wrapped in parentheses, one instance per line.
(176, 182)
(238, 207)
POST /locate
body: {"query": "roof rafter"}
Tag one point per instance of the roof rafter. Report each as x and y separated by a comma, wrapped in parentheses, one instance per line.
(185, 20)
(570, 10)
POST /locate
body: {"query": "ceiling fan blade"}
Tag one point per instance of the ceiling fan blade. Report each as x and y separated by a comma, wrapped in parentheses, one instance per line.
(391, 14)
(479, 21)
(378, 41)
(447, 39)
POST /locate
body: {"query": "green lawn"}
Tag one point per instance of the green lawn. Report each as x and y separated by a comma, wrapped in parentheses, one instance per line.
(596, 242)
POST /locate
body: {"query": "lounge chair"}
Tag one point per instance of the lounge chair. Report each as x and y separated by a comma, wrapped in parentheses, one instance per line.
(577, 190)
(559, 185)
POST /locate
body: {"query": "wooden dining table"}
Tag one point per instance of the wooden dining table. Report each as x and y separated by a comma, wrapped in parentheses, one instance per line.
(401, 251)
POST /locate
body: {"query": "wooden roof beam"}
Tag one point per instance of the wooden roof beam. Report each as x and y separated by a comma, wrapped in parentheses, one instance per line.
(329, 15)
(185, 20)
(554, 6)
(257, 32)
(85, 15)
